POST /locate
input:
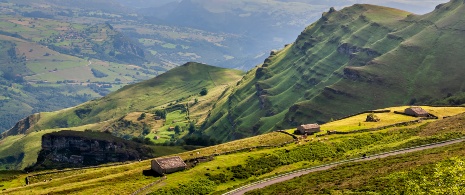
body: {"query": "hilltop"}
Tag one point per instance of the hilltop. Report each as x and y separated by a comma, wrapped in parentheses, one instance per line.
(359, 58)
(148, 110)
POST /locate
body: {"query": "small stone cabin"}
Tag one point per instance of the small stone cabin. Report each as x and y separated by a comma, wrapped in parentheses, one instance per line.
(416, 112)
(308, 129)
(168, 165)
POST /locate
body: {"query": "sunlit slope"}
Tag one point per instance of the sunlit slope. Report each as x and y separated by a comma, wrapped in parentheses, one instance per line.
(178, 87)
(427, 65)
(177, 84)
(359, 58)
(243, 161)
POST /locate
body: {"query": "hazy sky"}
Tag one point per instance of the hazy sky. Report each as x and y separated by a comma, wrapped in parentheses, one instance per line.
(415, 6)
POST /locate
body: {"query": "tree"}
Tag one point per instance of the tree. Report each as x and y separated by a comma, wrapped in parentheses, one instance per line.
(161, 113)
(204, 91)
(145, 130)
(191, 127)
(177, 129)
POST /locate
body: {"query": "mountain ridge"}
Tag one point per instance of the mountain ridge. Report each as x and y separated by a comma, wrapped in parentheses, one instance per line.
(350, 60)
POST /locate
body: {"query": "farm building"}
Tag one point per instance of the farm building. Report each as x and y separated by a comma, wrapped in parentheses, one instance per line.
(168, 165)
(416, 111)
(308, 129)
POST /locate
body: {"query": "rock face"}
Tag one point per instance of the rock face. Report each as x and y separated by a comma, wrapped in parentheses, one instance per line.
(22, 126)
(76, 149)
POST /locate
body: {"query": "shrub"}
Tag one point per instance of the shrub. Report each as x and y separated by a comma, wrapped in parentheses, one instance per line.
(204, 91)
(141, 117)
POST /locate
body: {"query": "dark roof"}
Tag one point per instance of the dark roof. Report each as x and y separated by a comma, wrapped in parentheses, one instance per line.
(171, 162)
(310, 126)
(418, 110)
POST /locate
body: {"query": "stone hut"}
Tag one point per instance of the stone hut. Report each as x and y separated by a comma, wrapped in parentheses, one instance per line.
(308, 129)
(168, 165)
(416, 112)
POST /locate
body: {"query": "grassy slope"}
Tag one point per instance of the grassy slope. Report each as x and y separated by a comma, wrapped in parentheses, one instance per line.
(181, 82)
(97, 180)
(358, 122)
(384, 178)
(359, 58)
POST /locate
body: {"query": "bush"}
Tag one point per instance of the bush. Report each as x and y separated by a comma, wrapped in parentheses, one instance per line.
(141, 117)
(204, 91)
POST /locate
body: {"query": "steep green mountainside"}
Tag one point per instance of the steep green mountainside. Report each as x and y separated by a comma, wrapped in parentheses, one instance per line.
(356, 59)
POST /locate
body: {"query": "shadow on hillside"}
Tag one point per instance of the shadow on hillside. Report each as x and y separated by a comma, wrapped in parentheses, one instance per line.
(151, 172)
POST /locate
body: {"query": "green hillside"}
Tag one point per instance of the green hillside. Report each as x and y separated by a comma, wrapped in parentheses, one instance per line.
(176, 93)
(182, 83)
(236, 163)
(359, 58)
(436, 171)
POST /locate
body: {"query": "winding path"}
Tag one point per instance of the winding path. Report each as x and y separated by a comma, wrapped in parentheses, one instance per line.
(288, 176)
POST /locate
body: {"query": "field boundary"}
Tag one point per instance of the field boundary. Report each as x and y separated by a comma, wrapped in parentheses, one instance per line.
(406, 123)
(148, 186)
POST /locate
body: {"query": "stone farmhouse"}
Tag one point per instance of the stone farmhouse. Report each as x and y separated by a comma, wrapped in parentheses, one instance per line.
(308, 129)
(416, 112)
(168, 165)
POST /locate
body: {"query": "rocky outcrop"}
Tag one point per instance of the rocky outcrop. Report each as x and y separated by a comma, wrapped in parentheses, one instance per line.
(22, 126)
(350, 50)
(77, 149)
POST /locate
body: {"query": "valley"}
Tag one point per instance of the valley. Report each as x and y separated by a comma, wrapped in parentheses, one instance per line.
(108, 89)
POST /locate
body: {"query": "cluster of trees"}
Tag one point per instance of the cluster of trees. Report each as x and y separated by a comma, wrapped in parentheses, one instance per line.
(161, 113)
(101, 90)
(98, 73)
